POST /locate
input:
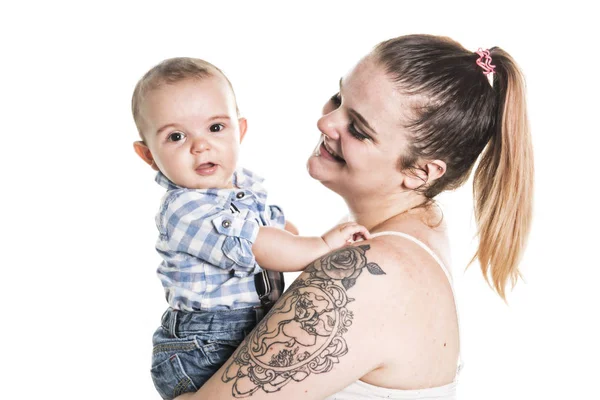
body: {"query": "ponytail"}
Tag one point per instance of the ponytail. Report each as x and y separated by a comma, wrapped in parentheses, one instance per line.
(458, 118)
(503, 181)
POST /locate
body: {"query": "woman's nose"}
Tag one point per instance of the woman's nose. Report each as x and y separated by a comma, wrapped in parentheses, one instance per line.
(331, 124)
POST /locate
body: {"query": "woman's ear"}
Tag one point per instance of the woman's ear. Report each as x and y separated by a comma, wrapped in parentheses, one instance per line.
(435, 170)
(426, 174)
(144, 152)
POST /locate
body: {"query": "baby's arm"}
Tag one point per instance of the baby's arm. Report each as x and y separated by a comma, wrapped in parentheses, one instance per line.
(276, 217)
(291, 228)
(278, 250)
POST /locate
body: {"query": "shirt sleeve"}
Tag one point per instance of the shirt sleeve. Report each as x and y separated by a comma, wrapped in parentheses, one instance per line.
(276, 216)
(196, 225)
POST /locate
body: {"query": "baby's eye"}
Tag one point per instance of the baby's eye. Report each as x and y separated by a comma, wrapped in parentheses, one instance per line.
(336, 100)
(175, 137)
(217, 127)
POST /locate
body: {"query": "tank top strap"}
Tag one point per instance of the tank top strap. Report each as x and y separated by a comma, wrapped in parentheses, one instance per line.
(446, 272)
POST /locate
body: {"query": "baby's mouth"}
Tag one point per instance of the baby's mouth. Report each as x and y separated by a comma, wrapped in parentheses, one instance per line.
(206, 168)
(205, 165)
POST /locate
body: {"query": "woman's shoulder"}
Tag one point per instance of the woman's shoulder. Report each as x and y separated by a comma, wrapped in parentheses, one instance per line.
(415, 263)
(409, 252)
(354, 313)
(414, 318)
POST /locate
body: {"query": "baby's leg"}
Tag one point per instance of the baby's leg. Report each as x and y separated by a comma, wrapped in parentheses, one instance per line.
(190, 347)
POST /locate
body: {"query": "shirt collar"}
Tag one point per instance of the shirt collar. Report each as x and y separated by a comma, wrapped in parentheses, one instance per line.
(163, 181)
(242, 179)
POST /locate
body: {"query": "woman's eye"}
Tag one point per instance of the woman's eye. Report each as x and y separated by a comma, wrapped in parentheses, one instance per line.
(175, 137)
(356, 133)
(217, 127)
(336, 100)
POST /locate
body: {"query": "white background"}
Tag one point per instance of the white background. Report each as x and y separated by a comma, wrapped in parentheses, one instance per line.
(80, 298)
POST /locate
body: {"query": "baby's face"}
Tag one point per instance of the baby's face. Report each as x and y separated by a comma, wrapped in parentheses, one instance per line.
(193, 132)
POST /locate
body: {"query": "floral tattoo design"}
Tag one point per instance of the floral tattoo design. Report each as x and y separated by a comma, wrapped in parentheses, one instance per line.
(303, 332)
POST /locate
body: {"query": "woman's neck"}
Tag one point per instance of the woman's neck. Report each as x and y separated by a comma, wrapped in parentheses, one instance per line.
(374, 213)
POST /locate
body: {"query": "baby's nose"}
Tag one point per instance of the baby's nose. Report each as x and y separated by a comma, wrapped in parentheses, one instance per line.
(199, 145)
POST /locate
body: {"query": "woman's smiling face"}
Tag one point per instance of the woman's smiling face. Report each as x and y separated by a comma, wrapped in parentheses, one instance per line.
(362, 134)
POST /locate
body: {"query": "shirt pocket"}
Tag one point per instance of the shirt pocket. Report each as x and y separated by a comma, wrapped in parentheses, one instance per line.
(239, 235)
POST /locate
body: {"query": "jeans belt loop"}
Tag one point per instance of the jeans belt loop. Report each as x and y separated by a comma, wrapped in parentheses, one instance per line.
(173, 323)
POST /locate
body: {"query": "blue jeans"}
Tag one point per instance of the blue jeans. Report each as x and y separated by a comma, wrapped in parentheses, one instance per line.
(189, 347)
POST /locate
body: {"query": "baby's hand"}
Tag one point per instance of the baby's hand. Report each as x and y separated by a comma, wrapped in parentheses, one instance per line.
(344, 234)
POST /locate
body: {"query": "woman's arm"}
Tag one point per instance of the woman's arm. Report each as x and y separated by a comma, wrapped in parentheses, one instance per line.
(319, 337)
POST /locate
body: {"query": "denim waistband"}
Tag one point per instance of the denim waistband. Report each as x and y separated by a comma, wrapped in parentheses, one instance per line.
(212, 323)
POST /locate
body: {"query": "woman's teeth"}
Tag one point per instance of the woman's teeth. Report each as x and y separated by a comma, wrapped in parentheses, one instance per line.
(317, 151)
(333, 153)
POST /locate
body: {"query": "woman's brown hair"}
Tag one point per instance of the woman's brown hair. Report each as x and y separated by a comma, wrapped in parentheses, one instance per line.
(460, 117)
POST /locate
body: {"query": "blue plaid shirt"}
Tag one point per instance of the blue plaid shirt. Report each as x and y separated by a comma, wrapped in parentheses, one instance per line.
(205, 240)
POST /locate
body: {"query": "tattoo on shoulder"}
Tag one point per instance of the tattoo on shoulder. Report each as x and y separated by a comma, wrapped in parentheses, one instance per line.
(303, 334)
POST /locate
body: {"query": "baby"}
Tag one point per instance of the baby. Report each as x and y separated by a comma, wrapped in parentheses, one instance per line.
(223, 247)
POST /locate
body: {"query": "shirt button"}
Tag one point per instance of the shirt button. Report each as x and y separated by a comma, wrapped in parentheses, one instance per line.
(240, 195)
(226, 223)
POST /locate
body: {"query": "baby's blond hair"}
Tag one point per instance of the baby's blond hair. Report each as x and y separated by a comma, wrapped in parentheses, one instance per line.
(169, 71)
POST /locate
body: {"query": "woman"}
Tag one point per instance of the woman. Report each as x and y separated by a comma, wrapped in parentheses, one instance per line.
(378, 319)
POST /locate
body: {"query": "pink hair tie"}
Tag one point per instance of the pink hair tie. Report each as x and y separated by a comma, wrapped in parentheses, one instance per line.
(485, 61)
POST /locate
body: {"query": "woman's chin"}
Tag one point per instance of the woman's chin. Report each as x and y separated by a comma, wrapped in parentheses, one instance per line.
(321, 173)
(314, 167)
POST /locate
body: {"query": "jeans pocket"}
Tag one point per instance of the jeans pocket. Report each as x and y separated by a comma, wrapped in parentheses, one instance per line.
(170, 378)
(218, 351)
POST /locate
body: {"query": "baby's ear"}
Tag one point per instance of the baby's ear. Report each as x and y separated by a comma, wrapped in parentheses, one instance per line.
(144, 152)
(243, 127)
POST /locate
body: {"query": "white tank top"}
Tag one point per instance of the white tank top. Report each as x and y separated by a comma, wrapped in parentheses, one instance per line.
(360, 390)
